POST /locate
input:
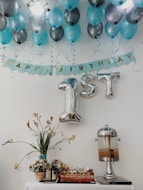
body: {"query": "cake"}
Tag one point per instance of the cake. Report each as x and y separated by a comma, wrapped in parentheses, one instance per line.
(77, 176)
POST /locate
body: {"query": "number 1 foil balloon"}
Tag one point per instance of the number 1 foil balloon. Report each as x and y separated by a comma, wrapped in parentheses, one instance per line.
(70, 115)
(88, 83)
(108, 77)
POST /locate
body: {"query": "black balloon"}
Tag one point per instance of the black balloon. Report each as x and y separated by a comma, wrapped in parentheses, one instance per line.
(96, 3)
(3, 22)
(113, 14)
(9, 7)
(72, 17)
(19, 36)
(95, 31)
(134, 14)
(57, 33)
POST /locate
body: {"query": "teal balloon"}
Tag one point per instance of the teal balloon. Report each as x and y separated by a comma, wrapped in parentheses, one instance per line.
(40, 38)
(17, 22)
(69, 4)
(72, 33)
(55, 17)
(95, 15)
(128, 30)
(5, 36)
(138, 3)
(117, 2)
(112, 30)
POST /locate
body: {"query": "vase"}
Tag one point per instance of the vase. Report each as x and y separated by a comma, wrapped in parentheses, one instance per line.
(40, 176)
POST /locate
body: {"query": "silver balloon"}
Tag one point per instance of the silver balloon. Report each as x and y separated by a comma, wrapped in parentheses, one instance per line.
(108, 77)
(88, 83)
(96, 3)
(70, 115)
(37, 24)
(95, 31)
(9, 7)
(134, 14)
(113, 14)
(19, 36)
(72, 17)
(57, 33)
(3, 22)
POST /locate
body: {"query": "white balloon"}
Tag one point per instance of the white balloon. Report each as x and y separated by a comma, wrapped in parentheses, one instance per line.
(70, 115)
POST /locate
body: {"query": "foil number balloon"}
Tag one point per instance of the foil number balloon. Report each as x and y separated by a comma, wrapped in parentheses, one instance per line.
(70, 115)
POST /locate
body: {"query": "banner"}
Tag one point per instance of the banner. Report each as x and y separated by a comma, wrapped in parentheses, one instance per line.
(71, 69)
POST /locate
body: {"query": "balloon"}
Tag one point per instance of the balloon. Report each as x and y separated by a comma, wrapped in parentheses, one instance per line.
(72, 33)
(134, 14)
(138, 3)
(88, 83)
(113, 14)
(10, 7)
(117, 2)
(3, 22)
(96, 3)
(5, 36)
(72, 17)
(55, 17)
(95, 31)
(128, 30)
(19, 36)
(70, 115)
(95, 15)
(40, 38)
(69, 4)
(57, 33)
(37, 24)
(112, 29)
(108, 77)
(17, 22)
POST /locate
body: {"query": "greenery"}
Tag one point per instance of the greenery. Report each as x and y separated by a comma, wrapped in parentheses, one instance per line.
(44, 135)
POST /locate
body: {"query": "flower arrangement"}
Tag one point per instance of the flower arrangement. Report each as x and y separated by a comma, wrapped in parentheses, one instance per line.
(45, 135)
(40, 166)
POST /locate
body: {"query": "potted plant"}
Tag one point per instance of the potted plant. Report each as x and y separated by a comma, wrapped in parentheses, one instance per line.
(48, 137)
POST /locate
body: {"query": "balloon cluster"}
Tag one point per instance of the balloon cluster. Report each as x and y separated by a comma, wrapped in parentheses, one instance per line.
(12, 22)
(118, 16)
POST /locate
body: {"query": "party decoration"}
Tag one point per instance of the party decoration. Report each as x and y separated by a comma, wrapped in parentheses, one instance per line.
(72, 33)
(3, 22)
(69, 85)
(55, 17)
(40, 38)
(96, 3)
(9, 7)
(138, 3)
(117, 2)
(113, 14)
(72, 17)
(95, 31)
(37, 24)
(88, 83)
(112, 29)
(69, 4)
(19, 36)
(128, 30)
(5, 36)
(108, 77)
(134, 14)
(57, 33)
(17, 22)
(95, 15)
(107, 63)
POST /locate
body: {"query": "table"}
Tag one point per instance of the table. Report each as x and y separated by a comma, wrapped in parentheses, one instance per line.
(74, 186)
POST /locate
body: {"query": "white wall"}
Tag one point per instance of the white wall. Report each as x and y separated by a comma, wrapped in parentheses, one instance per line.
(23, 94)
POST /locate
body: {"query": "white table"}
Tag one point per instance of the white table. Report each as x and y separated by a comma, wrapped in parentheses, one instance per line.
(74, 186)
